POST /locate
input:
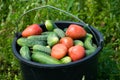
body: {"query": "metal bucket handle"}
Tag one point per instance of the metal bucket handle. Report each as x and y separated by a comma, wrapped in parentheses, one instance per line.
(86, 26)
(49, 6)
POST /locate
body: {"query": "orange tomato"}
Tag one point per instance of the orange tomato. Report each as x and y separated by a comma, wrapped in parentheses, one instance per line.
(33, 29)
(76, 52)
(67, 41)
(59, 51)
(75, 31)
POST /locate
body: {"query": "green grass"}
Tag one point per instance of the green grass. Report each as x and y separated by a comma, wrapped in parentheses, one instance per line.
(103, 15)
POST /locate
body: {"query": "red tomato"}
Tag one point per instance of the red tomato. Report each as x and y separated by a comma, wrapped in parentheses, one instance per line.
(59, 51)
(75, 31)
(33, 29)
(67, 41)
(76, 52)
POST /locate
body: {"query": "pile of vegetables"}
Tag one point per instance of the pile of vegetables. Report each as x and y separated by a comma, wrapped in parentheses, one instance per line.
(55, 46)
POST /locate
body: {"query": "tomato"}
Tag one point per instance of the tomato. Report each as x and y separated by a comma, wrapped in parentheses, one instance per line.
(33, 29)
(67, 41)
(59, 51)
(75, 31)
(76, 52)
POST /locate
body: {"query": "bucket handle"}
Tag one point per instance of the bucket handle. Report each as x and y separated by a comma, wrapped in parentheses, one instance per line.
(49, 6)
(86, 26)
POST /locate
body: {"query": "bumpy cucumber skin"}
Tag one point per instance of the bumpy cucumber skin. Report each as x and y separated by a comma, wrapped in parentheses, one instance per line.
(52, 39)
(38, 42)
(38, 37)
(25, 52)
(29, 42)
(78, 42)
(89, 45)
(44, 58)
(22, 41)
(46, 33)
(59, 32)
(66, 59)
(88, 41)
(88, 52)
(42, 49)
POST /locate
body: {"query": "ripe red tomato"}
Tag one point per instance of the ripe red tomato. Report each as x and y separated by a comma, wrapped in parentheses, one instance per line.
(76, 52)
(33, 29)
(67, 41)
(59, 51)
(75, 31)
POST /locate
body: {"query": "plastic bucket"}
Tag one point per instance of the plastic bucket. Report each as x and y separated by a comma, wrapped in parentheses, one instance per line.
(86, 67)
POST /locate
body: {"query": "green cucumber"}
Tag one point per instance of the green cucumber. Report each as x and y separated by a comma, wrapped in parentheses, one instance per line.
(50, 25)
(25, 52)
(52, 39)
(38, 37)
(88, 41)
(45, 33)
(66, 59)
(88, 52)
(42, 49)
(59, 32)
(78, 42)
(21, 41)
(44, 58)
(65, 29)
(29, 42)
(88, 44)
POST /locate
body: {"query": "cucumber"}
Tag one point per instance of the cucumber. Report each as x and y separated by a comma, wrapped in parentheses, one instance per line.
(23, 42)
(90, 47)
(29, 42)
(52, 39)
(46, 33)
(88, 52)
(65, 29)
(42, 49)
(78, 42)
(59, 32)
(50, 25)
(38, 37)
(34, 42)
(88, 41)
(25, 52)
(66, 59)
(44, 58)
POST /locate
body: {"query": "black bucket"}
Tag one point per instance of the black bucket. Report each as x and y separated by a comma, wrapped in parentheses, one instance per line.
(85, 68)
